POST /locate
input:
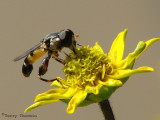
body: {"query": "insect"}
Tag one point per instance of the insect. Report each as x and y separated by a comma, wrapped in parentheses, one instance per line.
(51, 44)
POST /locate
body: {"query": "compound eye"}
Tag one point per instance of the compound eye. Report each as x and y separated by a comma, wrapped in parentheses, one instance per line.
(62, 34)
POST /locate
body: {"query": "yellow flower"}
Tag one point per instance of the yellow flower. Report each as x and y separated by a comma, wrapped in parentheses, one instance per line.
(92, 76)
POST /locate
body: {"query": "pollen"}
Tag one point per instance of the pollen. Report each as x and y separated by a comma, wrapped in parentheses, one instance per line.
(87, 67)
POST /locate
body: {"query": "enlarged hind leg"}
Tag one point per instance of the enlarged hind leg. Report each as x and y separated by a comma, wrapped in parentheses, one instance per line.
(44, 67)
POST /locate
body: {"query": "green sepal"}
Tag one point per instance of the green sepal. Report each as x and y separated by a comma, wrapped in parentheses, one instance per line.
(104, 93)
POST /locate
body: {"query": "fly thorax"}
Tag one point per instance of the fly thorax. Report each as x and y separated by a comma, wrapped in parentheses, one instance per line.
(55, 44)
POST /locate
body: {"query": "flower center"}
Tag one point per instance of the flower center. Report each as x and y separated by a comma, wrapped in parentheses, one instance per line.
(87, 66)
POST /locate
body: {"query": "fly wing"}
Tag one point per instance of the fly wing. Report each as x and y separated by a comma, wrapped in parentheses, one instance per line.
(28, 52)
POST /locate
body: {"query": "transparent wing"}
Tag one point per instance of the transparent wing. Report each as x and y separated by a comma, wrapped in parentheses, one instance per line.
(27, 52)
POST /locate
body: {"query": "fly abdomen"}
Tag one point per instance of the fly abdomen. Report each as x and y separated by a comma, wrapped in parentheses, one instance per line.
(27, 68)
(30, 59)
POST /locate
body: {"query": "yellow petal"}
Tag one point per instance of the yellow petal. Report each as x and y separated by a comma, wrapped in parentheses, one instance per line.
(89, 88)
(52, 91)
(148, 43)
(38, 104)
(111, 83)
(79, 96)
(56, 84)
(117, 48)
(120, 74)
(97, 88)
(124, 64)
(98, 48)
(59, 94)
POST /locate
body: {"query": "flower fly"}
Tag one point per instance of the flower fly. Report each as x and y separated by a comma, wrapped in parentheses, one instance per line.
(51, 44)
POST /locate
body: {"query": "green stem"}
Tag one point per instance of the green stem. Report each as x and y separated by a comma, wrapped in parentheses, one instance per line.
(107, 110)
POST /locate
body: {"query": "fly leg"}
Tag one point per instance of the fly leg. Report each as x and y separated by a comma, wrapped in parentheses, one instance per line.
(45, 80)
(44, 66)
(55, 56)
(80, 45)
(65, 53)
(60, 60)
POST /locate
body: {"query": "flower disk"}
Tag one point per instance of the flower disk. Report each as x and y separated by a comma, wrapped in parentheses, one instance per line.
(86, 67)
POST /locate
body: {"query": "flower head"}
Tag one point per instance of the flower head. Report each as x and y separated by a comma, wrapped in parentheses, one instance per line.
(92, 76)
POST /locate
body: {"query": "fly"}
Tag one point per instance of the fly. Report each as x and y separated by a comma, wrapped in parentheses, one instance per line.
(51, 44)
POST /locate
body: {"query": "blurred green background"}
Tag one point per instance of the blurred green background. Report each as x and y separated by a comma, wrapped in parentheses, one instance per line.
(23, 23)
